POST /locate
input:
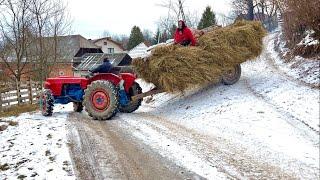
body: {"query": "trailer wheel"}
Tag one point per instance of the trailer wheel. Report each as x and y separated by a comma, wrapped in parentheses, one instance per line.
(101, 100)
(232, 75)
(133, 105)
(77, 107)
(46, 102)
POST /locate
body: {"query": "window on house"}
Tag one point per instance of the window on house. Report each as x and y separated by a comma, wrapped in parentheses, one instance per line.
(105, 43)
(110, 50)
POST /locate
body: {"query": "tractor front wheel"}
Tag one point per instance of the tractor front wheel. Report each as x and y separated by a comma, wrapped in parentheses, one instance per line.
(101, 100)
(46, 102)
(232, 75)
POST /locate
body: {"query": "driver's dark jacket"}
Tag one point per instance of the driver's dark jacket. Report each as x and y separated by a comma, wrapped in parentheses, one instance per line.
(105, 67)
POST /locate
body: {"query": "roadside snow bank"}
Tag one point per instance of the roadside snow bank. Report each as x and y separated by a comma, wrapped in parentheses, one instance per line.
(36, 147)
(303, 69)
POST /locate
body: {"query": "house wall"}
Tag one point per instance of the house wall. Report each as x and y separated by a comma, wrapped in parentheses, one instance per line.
(61, 69)
(5, 72)
(110, 44)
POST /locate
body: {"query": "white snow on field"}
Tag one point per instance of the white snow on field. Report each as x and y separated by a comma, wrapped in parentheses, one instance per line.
(37, 147)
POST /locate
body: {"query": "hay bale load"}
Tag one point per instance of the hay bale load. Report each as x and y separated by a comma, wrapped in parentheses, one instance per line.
(177, 68)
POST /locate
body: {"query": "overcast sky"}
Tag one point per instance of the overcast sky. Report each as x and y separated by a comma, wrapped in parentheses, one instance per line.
(92, 17)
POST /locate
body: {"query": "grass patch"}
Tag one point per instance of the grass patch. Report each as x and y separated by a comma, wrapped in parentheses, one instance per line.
(22, 176)
(48, 153)
(52, 158)
(4, 167)
(3, 127)
(13, 123)
(17, 110)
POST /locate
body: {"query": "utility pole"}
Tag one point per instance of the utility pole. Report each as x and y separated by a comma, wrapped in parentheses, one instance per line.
(181, 12)
(250, 10)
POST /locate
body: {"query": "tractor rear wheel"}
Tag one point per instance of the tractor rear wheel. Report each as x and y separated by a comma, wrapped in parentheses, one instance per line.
(101, 100)
(46, 102)
(232, 75)
(133, 105)
(77, 107)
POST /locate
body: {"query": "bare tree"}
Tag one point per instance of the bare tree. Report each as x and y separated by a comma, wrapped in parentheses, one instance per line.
(174, 14)
(29, 35)
(225, 20)
(167, 23)
(262, 10)
(50, 21)
(59, 24)
(14, 33)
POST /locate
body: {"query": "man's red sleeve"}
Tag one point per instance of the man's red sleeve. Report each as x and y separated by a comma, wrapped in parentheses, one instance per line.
(191, 37)
(176, 37)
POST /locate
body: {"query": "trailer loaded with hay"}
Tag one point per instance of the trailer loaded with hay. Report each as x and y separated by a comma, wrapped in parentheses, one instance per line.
(216, 58)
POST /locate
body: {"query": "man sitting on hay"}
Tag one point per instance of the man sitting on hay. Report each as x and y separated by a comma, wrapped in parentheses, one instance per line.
(183, 35)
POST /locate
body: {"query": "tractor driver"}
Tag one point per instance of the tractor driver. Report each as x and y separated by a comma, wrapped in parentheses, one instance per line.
(105, 67)
(183, 35)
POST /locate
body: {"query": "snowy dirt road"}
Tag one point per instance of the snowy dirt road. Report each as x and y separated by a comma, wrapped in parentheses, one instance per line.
(266, 126)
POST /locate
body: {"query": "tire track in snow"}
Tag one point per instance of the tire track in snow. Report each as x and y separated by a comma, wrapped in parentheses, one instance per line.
(105, 151)
(88, 153)
(270, 42)
(278, 84)
(289, 117)
(218, 152)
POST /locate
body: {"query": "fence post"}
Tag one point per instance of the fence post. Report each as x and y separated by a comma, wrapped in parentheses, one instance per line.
(18, 91)
(30, 91)
(1, 102)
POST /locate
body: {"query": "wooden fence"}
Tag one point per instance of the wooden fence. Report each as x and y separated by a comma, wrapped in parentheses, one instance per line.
(19, 93)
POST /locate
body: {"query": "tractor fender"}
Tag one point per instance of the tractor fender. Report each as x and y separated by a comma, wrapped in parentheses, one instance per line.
(129, 80)
(114, 79)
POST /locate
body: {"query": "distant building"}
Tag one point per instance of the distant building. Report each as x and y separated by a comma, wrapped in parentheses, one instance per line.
(109, 46)
(70, 49)
(139, 51)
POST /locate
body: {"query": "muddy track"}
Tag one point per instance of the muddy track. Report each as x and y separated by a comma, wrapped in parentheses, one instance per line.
(101, 151)
(229, 159)
(274, 69)
(289, 117)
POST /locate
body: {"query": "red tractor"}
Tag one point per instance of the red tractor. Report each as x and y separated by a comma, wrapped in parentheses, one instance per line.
(102, 95)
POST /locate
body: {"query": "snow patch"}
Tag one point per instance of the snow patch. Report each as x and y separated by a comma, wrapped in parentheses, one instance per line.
(37, 147)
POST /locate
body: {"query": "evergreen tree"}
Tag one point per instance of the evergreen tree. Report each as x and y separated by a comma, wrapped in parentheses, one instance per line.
(136, 37)
(208, 18)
